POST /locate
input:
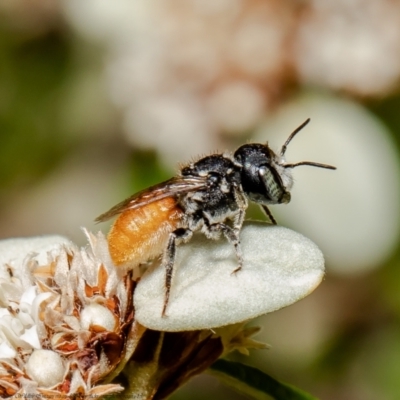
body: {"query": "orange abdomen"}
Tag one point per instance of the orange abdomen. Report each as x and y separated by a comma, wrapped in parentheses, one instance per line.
(142, 234)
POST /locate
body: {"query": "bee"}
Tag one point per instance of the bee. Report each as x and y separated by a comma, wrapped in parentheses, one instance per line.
(210, 195)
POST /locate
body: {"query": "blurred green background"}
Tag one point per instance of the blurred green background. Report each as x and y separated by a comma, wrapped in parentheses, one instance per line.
(100, 100)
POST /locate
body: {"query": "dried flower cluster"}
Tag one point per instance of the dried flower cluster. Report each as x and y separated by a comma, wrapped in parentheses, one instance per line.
(64, 321)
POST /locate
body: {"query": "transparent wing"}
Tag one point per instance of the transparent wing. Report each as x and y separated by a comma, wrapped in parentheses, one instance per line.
(172, 188)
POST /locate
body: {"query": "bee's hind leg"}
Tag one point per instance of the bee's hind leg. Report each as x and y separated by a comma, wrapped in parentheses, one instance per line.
(179, 235)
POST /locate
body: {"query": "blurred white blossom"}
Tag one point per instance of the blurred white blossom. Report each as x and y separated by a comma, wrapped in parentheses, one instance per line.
(351, 213)
(35, 17)
(350, 45)
(186, 71)
(189, 73)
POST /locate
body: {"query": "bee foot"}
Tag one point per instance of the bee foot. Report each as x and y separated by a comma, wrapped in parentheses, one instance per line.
(236, 270)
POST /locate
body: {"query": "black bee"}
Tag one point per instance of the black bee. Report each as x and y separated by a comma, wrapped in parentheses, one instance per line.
(210, 195)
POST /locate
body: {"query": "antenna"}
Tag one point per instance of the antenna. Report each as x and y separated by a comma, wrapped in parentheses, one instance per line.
(310, 163)
(292, 135)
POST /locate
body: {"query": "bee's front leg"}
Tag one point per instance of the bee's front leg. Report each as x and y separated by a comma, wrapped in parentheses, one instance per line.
(242, 206)
(268, 213)
(179, 235)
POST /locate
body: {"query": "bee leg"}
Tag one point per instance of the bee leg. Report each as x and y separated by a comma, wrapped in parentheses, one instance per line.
(169, 260)
(242, 203)
(268, 213)
(238, 222)
(233, 237)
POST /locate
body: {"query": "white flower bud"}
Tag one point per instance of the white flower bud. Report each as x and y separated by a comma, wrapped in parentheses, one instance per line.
(96, 314)
(280, 267)
(46, 367)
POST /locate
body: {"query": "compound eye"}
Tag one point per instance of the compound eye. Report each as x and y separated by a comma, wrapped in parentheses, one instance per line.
(273, 185)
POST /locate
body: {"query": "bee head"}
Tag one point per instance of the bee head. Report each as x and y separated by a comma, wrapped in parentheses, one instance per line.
(264, 179)
(265, 176)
